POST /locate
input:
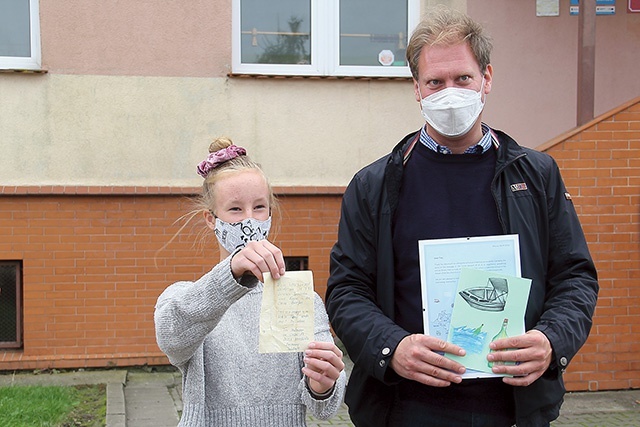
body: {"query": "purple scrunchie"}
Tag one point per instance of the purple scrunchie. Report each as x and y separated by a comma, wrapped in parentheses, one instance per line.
(217, 158)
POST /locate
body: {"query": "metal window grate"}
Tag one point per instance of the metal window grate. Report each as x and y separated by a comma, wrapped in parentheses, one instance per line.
(296, 263)
(10, 304)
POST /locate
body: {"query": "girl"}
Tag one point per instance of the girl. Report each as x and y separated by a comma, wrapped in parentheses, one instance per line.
(209, 328)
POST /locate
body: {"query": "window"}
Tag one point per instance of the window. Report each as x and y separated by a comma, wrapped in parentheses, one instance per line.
(19, 35)
(10, 304)
(296, 263)
(323, 37)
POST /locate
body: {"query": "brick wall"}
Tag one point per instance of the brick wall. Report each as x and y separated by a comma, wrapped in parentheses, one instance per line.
(309, 227)
(600, 163)
(92, 270)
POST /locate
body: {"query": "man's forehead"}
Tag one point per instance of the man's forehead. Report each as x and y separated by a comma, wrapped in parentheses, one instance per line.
(456, 60)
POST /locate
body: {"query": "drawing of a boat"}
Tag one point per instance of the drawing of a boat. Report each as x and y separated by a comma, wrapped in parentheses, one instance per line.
(491, 297)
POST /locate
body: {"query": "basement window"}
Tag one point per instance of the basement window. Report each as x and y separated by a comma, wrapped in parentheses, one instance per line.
(296, 263)
(10, 304)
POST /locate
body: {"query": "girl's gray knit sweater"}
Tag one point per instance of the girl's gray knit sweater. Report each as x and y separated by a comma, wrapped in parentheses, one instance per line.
(209, 330)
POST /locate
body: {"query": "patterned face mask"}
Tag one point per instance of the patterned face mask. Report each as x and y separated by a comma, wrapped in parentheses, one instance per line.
(236, 235)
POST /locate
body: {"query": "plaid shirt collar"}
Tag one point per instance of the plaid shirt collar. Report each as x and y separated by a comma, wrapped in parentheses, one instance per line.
(488, 139)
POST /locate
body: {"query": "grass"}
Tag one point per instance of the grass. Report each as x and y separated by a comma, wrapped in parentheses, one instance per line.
(53, 406)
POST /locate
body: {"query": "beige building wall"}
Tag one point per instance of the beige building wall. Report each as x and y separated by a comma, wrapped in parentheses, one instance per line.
(135, 90)
(133, 97)
(128, 130)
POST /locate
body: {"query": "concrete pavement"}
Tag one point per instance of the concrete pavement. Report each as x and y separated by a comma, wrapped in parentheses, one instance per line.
(151, 397)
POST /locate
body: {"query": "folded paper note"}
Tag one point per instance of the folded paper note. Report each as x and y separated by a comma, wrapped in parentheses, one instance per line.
(286, 314)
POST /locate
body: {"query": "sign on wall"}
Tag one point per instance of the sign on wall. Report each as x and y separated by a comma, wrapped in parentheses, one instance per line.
(603, 7)
(547, 7)
(634, 6)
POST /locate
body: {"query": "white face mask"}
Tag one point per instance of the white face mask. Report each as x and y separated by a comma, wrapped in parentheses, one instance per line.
(237, 234)
(452, 111)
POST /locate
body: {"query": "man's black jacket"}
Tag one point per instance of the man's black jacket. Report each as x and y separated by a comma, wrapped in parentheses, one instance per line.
(554, 254)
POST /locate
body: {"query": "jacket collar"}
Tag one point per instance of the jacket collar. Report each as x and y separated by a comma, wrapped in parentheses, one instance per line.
(393, 169)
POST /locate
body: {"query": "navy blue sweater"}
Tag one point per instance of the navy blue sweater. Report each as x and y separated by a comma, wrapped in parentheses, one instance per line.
(442, 196)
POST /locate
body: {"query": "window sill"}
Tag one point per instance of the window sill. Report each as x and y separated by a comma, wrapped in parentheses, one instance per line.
(22, 71)
(299, 77)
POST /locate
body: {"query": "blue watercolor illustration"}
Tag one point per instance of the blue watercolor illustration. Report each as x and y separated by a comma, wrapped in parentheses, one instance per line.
(469, 338)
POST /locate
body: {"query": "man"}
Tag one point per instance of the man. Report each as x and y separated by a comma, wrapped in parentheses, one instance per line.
(456, 177)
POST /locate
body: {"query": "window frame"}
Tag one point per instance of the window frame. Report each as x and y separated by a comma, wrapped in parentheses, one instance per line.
(17, 344)
(325, 46)
(34, 62)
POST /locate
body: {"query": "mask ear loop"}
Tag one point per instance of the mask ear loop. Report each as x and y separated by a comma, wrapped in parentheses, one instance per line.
(422, 110)
(420, 94)
(421, 98)
(482, 91)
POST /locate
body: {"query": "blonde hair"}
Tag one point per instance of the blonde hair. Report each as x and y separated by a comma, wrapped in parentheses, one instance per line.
(205, 201)
(446, 27)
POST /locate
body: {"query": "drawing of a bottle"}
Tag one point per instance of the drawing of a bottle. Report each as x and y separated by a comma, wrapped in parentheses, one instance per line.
(499, 335)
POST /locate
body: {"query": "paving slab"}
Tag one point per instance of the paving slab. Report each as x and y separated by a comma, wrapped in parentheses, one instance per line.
(601, 401)
(600, 409)
(116, 409)
(149, 402)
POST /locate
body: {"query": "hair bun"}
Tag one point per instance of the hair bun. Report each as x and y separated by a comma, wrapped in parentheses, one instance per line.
(220, 143)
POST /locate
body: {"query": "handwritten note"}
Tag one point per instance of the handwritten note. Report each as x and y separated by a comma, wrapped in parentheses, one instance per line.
(286, 314)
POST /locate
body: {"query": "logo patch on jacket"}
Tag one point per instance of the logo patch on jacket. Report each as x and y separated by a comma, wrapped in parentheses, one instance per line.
(521, 186)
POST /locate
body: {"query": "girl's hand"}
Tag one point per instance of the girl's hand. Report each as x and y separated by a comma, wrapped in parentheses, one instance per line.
(323, 364)
(256, 258)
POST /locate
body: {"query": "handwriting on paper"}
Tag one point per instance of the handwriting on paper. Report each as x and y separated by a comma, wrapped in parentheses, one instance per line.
(286, 313)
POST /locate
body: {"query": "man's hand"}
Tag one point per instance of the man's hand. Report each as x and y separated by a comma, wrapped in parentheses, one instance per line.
(415, 358)
(531, 351)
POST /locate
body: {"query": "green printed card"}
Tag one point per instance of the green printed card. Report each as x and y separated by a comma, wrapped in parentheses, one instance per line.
(487, 306)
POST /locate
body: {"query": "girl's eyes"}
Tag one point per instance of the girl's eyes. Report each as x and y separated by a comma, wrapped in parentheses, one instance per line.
(238, 209)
